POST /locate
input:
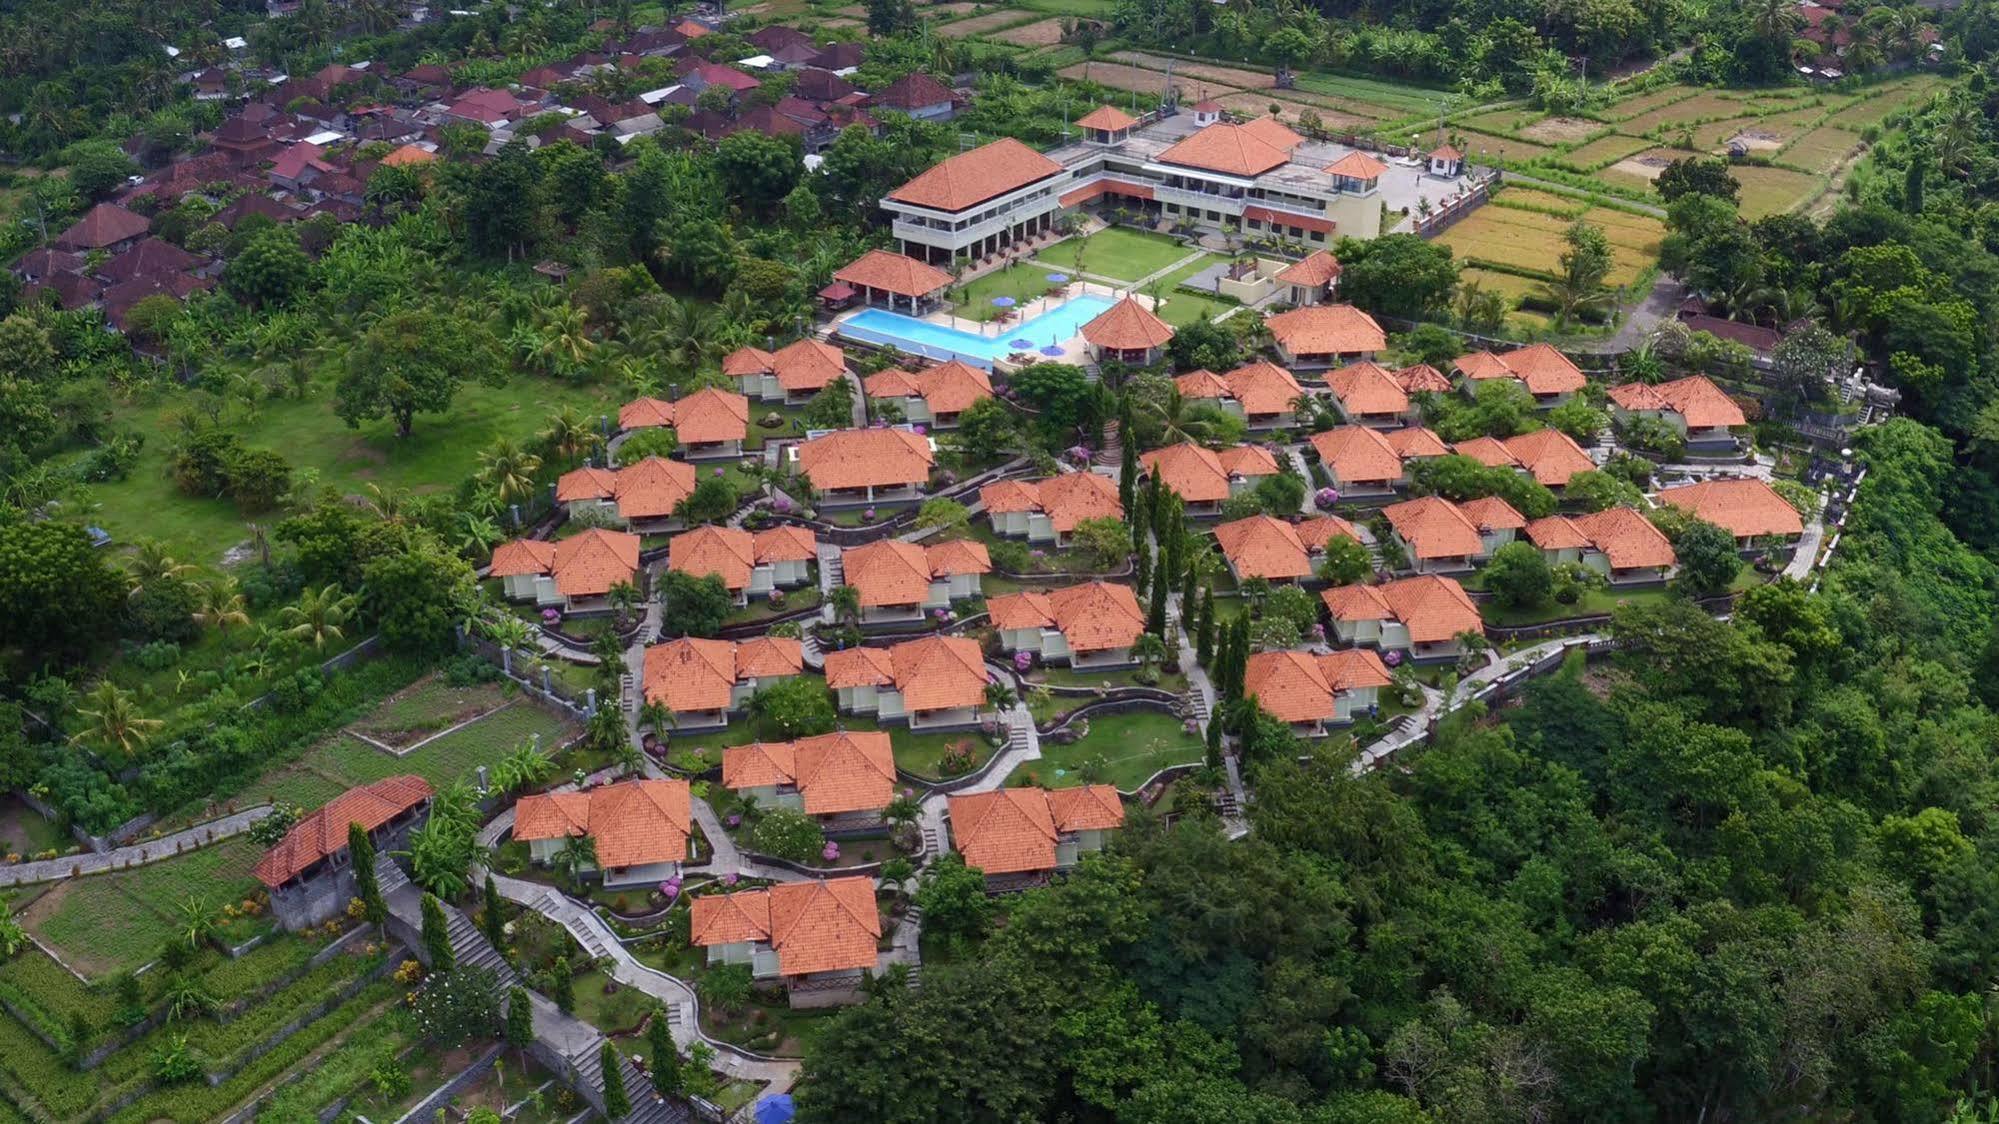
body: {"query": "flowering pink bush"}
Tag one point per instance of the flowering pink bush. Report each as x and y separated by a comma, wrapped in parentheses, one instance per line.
(1022, 661)
(1325, 498)
(869, 515)
(731, 878)
(734, 821)
(782, 503)
(1392, 659)
(1080, 454)
(551, 616)
(831, 852)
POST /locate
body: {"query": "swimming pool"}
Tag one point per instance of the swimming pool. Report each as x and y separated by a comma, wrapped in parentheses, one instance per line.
(935, 341)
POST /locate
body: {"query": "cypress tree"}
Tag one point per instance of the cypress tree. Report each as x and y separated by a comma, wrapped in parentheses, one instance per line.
(563, 985)
(666, 1079)
(1142, 573)
(1214, 754)
(616, 1103)
(1206, 635)
(1912, 185)
(436, 935)
(1187, 603)
(361, 850)
(1239, 670)
(1155, 500)
(520, 1019)
(1127, 478)
(495, 920)
(1155, 621)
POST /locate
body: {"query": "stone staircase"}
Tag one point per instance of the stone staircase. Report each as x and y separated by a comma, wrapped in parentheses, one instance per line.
(646, 1108)
(1112, 454)
(814, 656)
(471, 949)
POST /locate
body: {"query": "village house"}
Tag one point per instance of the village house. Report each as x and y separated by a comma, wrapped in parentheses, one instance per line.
(1421, 617)
(893, 280)
(1018, 837)
(900, 583)
(1421, 378)
(1263, 547)
(1363, 461)
(702, 682)
(106, 226)
(791, 375)
(749, 564)
(1368, 395)
(1310, 692)
(844, 778)
(1127, 332)
(1314, 279)
(1092, 625)
(1548, 455)
(1538, 368)
(709, 423)
(310, 874)
(1699, 410)
(1047, 510)
(575, 573)
(1619, 543)
(1745, 507)
(863, 467)
(1325, 335)
(817, 938)
(934, 396)
(918, 95)
(932, 683)
(1204, 479)
(1262, 393)
(645, 494)
(1437, 535)
(638, 828)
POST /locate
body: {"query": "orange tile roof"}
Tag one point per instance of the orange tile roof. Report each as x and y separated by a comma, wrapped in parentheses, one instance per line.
(1627, 538)
(1273, 132)
(1488, 451)
(586, 484)
(746, 361)
(633, 823)
(1742, 507)
(860, 458)
(1416, 441)
(1490, 513)
(690, 674)
(1556, 532)
(1327, 329)
(1011, 612)
(408, 154)
(731, 554)
(522, 556)
(1434, 528)
(1201, 384)
(1199, 475)
(1352, 669)
(589, 564)
(767, 657)
(1096, 616)
(940, 673)
(1432, 607)
(1127, 326)
(1543, 369)
(948, 388)
(1314, 269)
(893, 273)
(860, 667)
(892, 383)
(1106, 117)
(1289, 686)
(1316, 532)
(1637, 396)
(1006, 497)
(807, 364)
(1247, 460)
(971, 178)
(1263, 387)
(1695, 398)
(786, 543)
(958, 556)
(1479, 365)
(839, 772)
(709, 414)
(1421, 377)
(645, 413)
(1014, 830)
(1233, 150)
(1262, 547)
(1072, 497)
(1357, 165)
(324, 831)
(1358, 454)
(1550, 455)
(1364, 388)
(814, 926)
(653, 488)
(894, 572)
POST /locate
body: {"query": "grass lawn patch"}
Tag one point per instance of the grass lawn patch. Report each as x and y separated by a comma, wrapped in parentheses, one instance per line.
(107, 923)
(1116, 252)
(609, 1005)
(760, 608)
(1602, 151)
(1026, 282)
(1595, 602)
(1120, 749)
(23, 831)
(424, 708)
(768, 1025)
(923, 753)
(1182, 308)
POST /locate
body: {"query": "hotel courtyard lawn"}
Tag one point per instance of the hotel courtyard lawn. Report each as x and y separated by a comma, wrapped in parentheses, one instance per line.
(1118, 253)
(1026, 282)
(1126, 749)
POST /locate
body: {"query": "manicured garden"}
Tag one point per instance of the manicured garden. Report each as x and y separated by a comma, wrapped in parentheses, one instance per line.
(1595, 601)
(1023, 282)
(1117, 252)
(1120, 749)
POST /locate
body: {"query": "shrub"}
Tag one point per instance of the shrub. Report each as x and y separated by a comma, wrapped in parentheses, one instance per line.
(157, 656)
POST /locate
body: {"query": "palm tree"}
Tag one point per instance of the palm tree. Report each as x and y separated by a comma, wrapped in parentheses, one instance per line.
(196, 921)
(388, 504)
(151, 563)
(569, 435)
(477, 534)
(318, 616)
(1177, 419)
(657, 716)
(1774, 20)
(999, 696)
(220, 603)
(115, 721)
(575, 857)
(624, 597)
(1149, 648)
(521, 768)
(902, 810)
(561, 341)
(509, 469)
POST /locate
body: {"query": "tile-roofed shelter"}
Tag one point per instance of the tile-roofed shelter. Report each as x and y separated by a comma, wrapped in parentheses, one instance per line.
(1546, 373)
(102, 227)
(1701, 411)
(1419, 617)
(647, 491)
(960, 182)
(39, 265)
(1018, 836)
(1437, 534)
(1205, 478)
(703, 681)
(1488, 451)
(818, 84)
(1107, 124)
(745, 362)
(932, 213)
(886, 277)
(1232, 150)
(1263, 547)
(1360, 460)
(639, 828)
(1202, 384)
(1745, 507)
(1048, 510)
(1421, 378)
(1549, 456)
(1619, 543)
(1324, 335)
(844, 773)
(1266, 394)
(1092, 625)
(899, 582)
(934, 396)
(575, 573)
(865, 466)
(1368, 395)
(1314, 279)
(1127, 332)
(932, 683)
(791, 374)
(749, 564)
(818, 936)
(708, 423)
(841, 56)
(1310, 692)
(1361, 169)
(309, 872)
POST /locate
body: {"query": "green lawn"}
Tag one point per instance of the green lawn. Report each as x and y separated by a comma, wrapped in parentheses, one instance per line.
(610, 1006)
(1596, 602)
(23, 831)
(1116, 252)
(1181, 308)
(1132, 746)
(107, 923)
(759, 608)
(440, 451)
(1026, 282)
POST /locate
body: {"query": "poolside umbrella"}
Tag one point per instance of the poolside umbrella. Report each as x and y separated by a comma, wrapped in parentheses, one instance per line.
(1051, 351)
(775, 1109)
(1022, 344)
(1002, 302)
(1059, 278)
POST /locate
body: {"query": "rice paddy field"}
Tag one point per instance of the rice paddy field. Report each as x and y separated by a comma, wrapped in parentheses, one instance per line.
(1512, 239)
(106, 923)
(1770, 191)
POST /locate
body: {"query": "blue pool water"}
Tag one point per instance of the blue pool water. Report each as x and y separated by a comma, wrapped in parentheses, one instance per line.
(934, 341)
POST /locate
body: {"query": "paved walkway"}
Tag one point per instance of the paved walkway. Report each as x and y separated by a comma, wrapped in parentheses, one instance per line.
(135, 854)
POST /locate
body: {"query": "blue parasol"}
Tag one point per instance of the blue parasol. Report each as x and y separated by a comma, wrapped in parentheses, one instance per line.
(1059, 278)
(775, 1109)
(1002, 302)
(1051, 351)
(1022, 344)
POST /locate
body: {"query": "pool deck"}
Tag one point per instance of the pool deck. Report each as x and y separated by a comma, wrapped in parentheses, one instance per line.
(1073, 348)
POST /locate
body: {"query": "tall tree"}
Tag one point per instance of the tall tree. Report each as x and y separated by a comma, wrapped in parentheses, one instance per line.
(617, 1104)
(436, 935)
(361, 850)
(664, 1070)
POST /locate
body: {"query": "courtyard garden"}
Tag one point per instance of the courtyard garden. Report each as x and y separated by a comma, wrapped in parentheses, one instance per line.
(1118, 749)
(1119, 253)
